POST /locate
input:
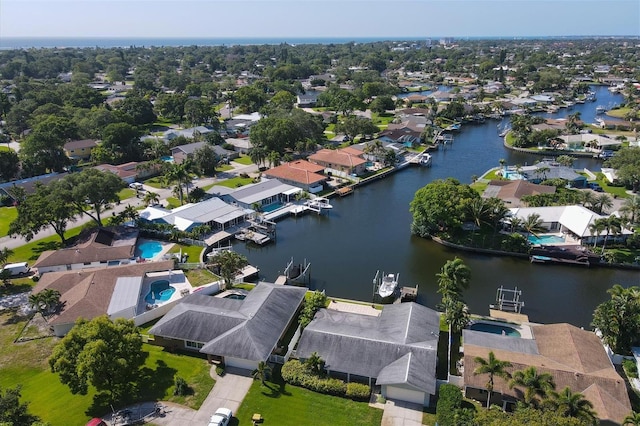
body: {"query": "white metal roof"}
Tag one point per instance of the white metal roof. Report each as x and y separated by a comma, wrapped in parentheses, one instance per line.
(125, 294)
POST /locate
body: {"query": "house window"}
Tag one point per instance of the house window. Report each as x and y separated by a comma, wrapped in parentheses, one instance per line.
(193, 345)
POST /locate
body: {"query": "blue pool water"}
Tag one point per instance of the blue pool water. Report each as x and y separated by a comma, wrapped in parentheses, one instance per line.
(504, 330)
(148, 249)
(235, 296)
(271, 207)
(167, 158)
(545, 239)
(160, 291)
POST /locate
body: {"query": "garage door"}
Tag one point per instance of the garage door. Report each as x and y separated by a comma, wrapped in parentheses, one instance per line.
(240, 363)
(402, 394)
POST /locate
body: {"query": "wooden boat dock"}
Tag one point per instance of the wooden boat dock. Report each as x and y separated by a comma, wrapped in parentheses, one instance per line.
(346, 190)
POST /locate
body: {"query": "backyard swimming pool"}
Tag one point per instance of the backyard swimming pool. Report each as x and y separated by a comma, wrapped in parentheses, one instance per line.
(271, 207)
(160, 291)
(148, 249)
(545, 239)
(235, 296)
(504, 330)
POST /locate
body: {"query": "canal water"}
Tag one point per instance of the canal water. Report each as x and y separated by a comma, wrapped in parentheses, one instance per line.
(369, 231)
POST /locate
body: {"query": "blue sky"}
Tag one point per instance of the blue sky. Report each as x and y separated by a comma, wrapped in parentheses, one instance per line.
(317, 18)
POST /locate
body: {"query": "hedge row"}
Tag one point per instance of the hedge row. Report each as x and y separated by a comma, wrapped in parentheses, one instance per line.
(449, 401)
(298, 374)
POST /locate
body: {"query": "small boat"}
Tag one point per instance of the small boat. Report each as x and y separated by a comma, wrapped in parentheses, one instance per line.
(319, 203)
(540, 259)
(454, 127)
(388, 285)
(600, 109)
(425, 159)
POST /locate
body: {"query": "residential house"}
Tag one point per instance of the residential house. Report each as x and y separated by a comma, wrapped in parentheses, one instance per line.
(239, 126)
(118, 292)
(95, 248)
(241, 145)
(544, 170)
(261, 194)
(511, 191)
(396, 350)
(238, 333)
(308, 99)
(574, 358)
(182, 152)
(345, 160)
(80, 149)
(575, 220)
(128, 172)
(29, 184)
(213, 212)
(189, 133)
(593, 142)
(300, 173)
(405, 136)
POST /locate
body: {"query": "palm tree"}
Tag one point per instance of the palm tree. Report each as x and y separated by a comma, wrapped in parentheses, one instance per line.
(315, 363)
(479, 212)
(258, 155)
(230, 264)
(535, 384)
(595, 228)
(493, 367)
(588, 199)
(515, 223)
(632, 206)
(453, 278)
(179, 173)
(35, 302)
(50, 299)
(602, 203)
(632, 419)
(532, 224)
(5, 254)
(613, 225)
(262, 372)
(151, 198)
(571, 404)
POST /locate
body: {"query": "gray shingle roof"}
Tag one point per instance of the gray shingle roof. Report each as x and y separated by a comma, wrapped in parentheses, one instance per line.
(247, 329)
(375, 346)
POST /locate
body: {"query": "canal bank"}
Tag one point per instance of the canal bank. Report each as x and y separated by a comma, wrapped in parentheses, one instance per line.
(369, 230)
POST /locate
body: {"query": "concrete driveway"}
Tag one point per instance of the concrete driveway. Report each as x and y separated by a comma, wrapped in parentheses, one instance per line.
(399, 413)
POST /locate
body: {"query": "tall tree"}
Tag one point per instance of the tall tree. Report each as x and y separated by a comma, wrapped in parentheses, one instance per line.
(535, 384)
(454, 277)
(618, 318)
(493, 367)
(631, 207)
(262, 372)
(12, 411)
(532, 224)
(574, 404)
(94, 188)
(180, 174)
(107, 355)
(9, 165)
(230, 264)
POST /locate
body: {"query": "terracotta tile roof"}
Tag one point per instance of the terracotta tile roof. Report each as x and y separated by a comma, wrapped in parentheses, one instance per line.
(300, 171)
(96, 245)
(343, 157)
(519, 188)
(574, 358)
(87, 293)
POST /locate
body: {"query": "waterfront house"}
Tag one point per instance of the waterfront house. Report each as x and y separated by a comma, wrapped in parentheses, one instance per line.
(511, 191)
(80, 149)
(116, 291)
(544, 170)
(237, 333)
(213, 212)
(396, 350)
(572, 356)
(346, 161)
(300, 173)
(404, 136)
(261, 194)
(97, 247)
(592, 142)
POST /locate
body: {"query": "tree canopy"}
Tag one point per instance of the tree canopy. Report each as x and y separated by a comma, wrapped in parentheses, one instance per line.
(618, 318)
(103, 353)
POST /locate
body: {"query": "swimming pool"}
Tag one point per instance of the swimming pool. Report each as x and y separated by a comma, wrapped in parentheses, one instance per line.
(486, 327)
(545, 239)
(271, 207)
(148, 249)
(160, 291)
(167, 159)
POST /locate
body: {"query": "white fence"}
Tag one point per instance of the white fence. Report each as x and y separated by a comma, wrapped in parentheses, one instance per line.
(153, 314)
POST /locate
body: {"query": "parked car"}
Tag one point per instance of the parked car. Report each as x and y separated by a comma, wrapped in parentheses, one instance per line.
(16, 268)
(596, 187)
(221, 417)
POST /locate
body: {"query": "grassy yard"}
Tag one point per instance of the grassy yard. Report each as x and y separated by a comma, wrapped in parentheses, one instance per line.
(243, 159)
(26, 364)
(193, 252)
(156, 182)
(199, 277)
(618, 191)
(285, 405)
(126, 193)
(235, 182)
(31, 251)
(7, 215)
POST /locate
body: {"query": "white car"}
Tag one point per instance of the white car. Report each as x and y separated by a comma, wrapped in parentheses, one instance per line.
(221, 417)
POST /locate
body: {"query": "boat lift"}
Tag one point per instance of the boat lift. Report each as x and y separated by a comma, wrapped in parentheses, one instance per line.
(508, 300)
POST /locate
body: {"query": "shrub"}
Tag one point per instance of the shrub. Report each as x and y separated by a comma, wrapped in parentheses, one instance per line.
(314, 302)
(449, 400)
(181, 387)
(630, 368)
(358, 391)
(298, 374)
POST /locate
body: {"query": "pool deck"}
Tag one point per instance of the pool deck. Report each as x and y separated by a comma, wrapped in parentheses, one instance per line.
(176, 279)
(522, 328)
(165, 248)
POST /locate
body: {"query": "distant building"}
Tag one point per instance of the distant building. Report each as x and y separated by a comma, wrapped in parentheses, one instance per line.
(80, 149)
(300, 173)
(345, 160)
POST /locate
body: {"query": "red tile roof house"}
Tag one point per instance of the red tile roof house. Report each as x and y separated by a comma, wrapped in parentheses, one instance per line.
(98, 247)
(572, 356)
(130, 172)
(300, 173)
(346, 160)
(115, 291)
(80, 149)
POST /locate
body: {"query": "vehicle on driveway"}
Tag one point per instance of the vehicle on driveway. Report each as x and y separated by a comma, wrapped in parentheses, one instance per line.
(221, 417)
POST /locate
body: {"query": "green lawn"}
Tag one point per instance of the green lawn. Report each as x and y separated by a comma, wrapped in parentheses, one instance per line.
(286, 405)
(26, 364)
(198, 277)
(7, 215)
(193, 252)
(5, 148)
(235, 182)
(126, 193)
(156, 182)
(244, 159)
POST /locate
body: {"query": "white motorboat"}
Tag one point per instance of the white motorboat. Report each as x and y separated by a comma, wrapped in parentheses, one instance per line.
(319, 203)
(425, 159)
(388, 285)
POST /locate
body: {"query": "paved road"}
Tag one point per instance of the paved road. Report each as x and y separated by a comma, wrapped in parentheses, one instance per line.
(163, 193)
